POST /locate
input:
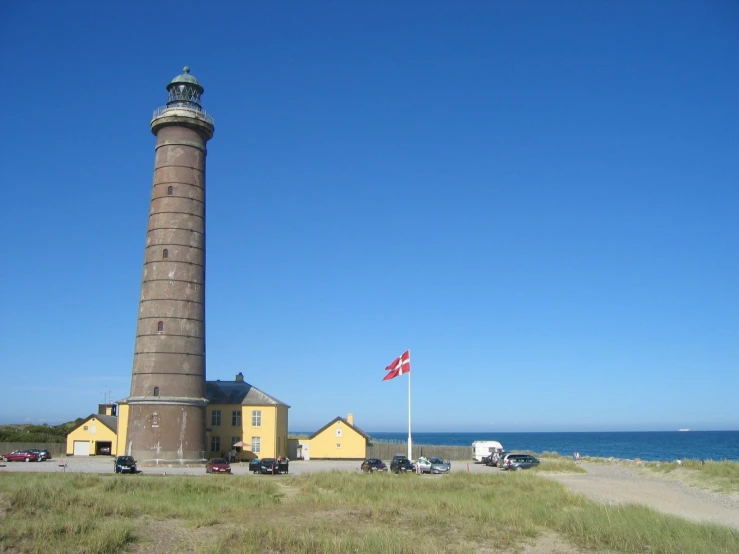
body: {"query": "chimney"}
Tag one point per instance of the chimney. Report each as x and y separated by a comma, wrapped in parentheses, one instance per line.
(106, 409)
(240, 377)
(350, 419)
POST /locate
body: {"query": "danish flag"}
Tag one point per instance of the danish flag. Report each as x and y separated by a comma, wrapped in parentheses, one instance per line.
(400, 365)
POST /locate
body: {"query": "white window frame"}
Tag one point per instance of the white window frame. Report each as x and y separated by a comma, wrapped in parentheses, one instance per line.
(256, 418)
(256, 444)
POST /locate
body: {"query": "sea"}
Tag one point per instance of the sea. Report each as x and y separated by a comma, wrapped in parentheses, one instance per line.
(645, 445)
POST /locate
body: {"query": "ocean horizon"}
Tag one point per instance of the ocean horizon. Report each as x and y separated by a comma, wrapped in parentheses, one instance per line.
(645, 445)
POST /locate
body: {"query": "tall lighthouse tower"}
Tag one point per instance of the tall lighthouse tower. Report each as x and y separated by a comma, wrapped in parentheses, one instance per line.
(166, 408)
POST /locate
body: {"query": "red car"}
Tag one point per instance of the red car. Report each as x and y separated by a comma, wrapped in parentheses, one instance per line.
(20, 456)
(217, 465)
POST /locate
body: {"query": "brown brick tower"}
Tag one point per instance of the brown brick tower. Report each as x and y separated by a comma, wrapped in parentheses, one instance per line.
(166, 408)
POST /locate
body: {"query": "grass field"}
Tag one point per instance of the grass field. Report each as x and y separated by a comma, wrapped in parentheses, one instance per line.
(333, 512)
(717, 476)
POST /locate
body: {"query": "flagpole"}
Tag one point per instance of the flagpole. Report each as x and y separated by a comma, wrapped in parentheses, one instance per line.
(410, 444)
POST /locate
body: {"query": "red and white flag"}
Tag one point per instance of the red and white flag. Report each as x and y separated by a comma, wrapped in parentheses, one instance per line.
(400, 365)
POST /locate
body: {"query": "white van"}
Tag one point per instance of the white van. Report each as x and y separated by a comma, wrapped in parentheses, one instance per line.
(483, 449)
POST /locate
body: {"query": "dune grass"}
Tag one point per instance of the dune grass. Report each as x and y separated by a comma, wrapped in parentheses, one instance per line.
(327, 512)
(558, 464)
(722, 476)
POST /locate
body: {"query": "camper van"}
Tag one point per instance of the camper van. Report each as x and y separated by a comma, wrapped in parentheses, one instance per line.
(483, 449)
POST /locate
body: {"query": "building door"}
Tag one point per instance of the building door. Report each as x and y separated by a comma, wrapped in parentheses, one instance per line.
(81, 448)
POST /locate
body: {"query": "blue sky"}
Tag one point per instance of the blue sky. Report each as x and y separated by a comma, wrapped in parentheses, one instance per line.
(539, 199)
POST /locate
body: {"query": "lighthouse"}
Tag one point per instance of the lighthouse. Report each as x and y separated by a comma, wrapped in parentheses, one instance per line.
(166, 407)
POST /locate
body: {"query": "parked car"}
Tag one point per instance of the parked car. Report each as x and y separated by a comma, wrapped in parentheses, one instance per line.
(266, 466)
(370, 465)
(433, 465)
(217, 465)
(20, 456)
(401, 463)
(520, 461)
(124, 464)
(503, 458)
(41, 454)
(105, 450)
(282, 465)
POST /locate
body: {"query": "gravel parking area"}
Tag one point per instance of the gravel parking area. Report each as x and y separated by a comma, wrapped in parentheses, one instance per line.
(606, 483)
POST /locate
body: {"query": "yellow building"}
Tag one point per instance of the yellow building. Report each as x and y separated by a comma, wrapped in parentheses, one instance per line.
(239, 416)
(339, 439)
(242, 417)
(95, 435)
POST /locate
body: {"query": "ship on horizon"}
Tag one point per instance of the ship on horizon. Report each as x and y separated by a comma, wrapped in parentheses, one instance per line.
(683, 430)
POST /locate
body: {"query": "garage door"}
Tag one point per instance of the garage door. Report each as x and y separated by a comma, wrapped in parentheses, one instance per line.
(81, 448)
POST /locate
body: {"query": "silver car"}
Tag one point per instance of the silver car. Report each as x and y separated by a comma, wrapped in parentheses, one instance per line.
(433, 465)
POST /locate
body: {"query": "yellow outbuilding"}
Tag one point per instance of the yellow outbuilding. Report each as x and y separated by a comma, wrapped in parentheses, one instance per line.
(96, 435)
(339, 439)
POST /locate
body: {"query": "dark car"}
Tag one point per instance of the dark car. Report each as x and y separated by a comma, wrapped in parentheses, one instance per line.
(41, 454)
(520, 461)
(20, 456)
(401, 464)
(125, 464)
(370, 465)
(266, 466)
(217, 465)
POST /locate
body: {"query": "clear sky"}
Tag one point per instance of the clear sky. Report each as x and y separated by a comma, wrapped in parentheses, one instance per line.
(539, 199)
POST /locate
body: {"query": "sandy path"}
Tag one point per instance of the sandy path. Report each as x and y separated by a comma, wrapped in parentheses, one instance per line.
(618, 484)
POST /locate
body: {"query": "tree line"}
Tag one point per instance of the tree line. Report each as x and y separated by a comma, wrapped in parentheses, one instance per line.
(37, 433)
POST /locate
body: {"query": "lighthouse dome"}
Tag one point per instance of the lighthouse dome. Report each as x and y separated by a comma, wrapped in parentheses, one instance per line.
(184, 90)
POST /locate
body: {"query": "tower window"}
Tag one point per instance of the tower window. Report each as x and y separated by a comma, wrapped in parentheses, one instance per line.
(170, 190)
(156, 391)
(165, 253)
(160, 327)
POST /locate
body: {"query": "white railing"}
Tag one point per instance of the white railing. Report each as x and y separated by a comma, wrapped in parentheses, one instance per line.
(200, 114)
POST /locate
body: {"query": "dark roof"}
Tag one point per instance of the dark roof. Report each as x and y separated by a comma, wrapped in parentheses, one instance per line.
(330, 423)
(111, 422)
(238, 392)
